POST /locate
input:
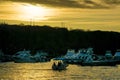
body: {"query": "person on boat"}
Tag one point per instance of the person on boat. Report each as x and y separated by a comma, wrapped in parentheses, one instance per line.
(54, 66)
(59, 64)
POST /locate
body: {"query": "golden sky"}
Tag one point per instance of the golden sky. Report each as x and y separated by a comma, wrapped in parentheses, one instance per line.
(73, 14)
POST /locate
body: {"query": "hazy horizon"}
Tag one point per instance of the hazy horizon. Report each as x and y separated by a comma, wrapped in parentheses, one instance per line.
(73, 14)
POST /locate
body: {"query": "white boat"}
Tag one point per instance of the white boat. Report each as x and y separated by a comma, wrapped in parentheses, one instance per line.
(87, 58)
(41, 56)
(117, 56)
(92, 61)
(23, 57)
(108, 55)
(76, 58)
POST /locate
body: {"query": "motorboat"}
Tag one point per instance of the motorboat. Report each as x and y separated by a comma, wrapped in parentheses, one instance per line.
(75, 58)
(93, 60)
(41, 56)
(86, 57)
(23, 57)
(117, 56)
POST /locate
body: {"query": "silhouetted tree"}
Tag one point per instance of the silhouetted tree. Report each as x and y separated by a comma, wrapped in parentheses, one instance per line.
(55, 40)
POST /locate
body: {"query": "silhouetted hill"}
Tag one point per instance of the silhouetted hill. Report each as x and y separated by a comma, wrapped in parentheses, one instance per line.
(55, 40)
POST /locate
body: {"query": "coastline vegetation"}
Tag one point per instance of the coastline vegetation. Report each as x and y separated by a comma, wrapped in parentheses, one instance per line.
(55, 40)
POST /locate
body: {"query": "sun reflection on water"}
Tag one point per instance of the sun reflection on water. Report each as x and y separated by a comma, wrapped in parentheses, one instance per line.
(43, 71)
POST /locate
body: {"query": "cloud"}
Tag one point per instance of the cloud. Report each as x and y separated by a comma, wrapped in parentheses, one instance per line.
(72, 3)
(112, 1)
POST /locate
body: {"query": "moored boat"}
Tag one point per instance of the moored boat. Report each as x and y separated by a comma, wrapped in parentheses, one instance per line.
(75, 58)
(117, 56)
(92, 61)
(26, 57)
(23, 57)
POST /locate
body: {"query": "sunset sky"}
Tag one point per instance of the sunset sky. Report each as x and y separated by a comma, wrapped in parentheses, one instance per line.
(73, 14)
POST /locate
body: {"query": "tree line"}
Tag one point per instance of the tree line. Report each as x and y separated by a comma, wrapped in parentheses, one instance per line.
(56, 41)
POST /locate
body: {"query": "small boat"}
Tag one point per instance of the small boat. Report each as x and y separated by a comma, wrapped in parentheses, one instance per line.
(59, 66)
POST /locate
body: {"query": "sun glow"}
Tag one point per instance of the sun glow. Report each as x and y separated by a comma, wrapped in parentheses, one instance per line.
(35, 12)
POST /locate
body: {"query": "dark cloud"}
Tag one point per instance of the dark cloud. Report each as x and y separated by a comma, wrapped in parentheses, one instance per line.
(112, 1)
(71, 3)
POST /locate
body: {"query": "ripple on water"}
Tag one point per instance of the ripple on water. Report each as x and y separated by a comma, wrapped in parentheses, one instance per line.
(43, 71)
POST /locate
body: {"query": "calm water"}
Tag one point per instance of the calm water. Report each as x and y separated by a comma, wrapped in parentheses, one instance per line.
(43, 71)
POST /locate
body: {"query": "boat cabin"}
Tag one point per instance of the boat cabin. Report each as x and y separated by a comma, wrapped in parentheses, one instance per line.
(41, 56)
(23, 56)
(108, 55)
(117, 55)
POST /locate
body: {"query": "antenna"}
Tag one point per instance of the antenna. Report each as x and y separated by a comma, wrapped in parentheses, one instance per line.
(62, 24)
(33, 22)
(30, 22)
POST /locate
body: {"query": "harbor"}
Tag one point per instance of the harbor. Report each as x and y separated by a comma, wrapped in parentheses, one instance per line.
(84, 57)
(59, 39)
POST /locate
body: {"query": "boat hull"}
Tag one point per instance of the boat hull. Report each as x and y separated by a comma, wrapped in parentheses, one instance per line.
(24, 61)
(117, 61)
(99, 63)
(73, 61)
(29, 60)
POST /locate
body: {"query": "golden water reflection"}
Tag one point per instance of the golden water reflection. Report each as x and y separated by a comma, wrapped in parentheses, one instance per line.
(43, 71)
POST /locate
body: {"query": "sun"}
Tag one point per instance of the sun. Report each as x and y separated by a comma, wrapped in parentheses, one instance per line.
(35, 12)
